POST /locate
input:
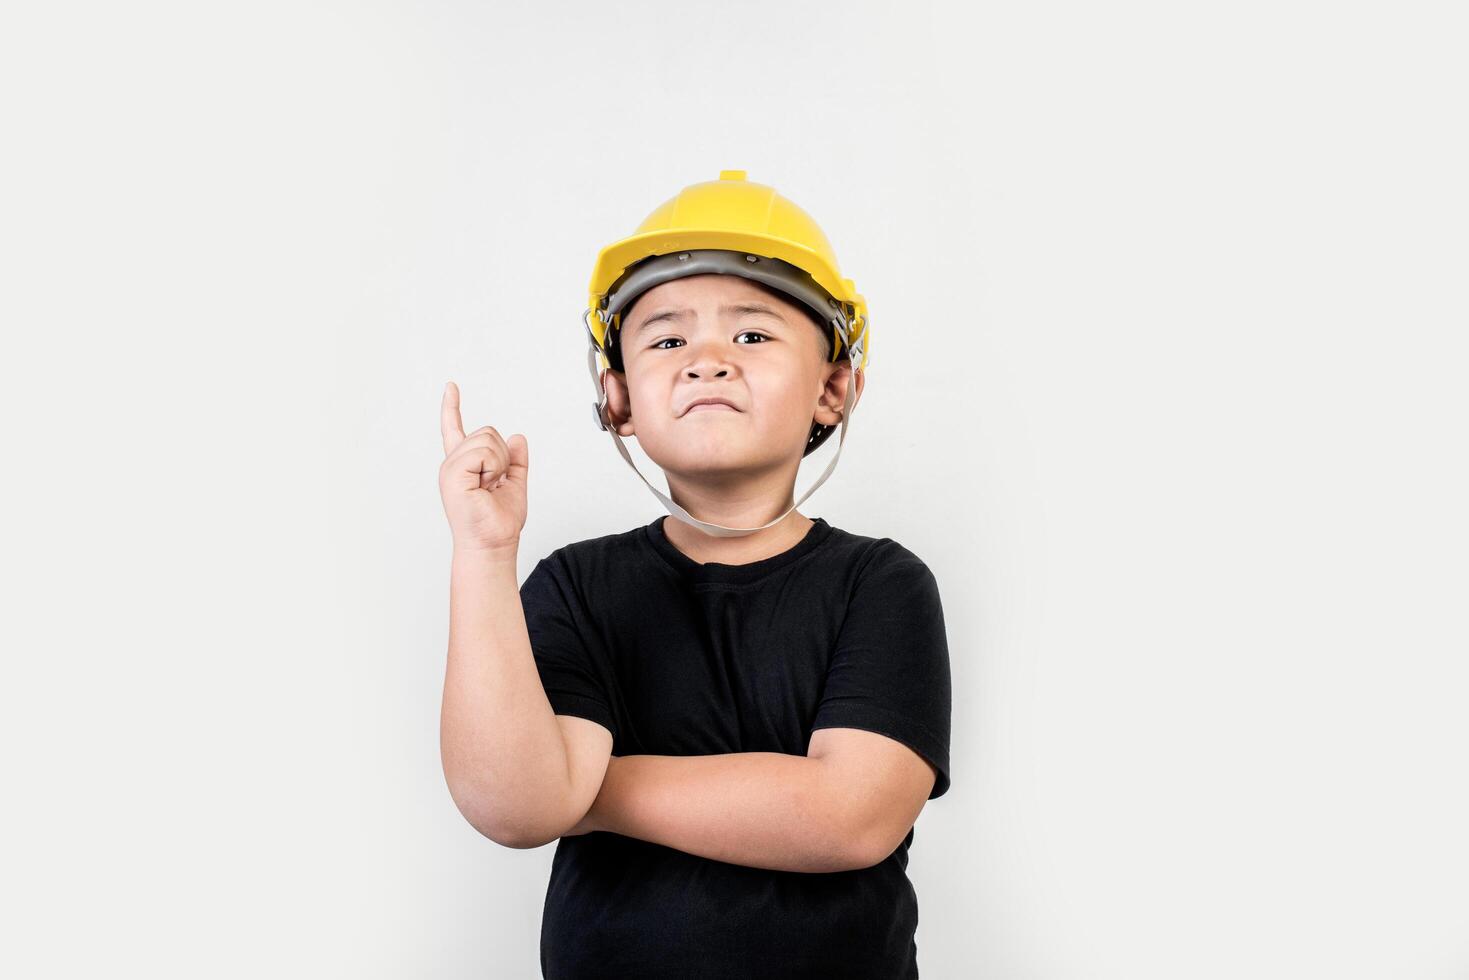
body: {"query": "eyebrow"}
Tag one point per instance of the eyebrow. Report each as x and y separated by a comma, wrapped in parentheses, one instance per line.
(678, 314)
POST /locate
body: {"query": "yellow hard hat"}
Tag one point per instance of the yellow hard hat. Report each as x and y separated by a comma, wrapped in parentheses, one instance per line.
(729, 226)
(744, 219)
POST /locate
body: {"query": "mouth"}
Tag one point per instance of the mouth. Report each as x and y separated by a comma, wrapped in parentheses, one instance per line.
(710, 404)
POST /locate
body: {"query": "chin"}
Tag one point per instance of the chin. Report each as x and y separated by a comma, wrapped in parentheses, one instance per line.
(718, 461)
(692, 465)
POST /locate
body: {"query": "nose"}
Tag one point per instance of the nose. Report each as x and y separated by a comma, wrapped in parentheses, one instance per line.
(711, 359)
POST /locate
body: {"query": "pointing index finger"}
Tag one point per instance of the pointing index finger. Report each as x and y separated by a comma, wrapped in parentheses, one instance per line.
(450, 424)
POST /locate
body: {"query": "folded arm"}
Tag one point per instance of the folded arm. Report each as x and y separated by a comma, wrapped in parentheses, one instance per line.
(758, 809)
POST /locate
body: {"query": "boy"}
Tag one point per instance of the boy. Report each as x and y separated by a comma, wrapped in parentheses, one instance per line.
(731, 726)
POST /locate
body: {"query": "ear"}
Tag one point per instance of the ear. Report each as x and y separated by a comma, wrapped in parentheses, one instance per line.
(619, 403)
(834, 392)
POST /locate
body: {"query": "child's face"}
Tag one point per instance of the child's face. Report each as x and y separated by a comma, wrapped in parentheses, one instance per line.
(680, 342)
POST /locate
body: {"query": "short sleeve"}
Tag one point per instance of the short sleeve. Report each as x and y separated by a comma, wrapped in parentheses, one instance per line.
(889, 672)
(574, 680)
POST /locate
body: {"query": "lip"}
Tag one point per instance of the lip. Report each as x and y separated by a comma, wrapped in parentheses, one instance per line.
(711, 403)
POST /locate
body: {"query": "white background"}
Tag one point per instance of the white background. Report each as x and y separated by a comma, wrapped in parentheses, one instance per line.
(1166, 386)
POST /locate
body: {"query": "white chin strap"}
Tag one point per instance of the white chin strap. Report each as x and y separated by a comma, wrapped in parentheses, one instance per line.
(719, 530)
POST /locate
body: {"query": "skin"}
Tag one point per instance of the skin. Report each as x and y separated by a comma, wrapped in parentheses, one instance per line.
(731, 467)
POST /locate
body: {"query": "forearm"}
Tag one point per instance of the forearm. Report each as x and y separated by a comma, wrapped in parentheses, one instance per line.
(502, 750)
(758, 809)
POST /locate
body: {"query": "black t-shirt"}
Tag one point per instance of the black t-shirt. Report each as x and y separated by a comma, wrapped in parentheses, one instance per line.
(675, 657)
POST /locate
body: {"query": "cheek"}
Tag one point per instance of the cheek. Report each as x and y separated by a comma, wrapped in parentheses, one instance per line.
(785, 399)
(649, 401)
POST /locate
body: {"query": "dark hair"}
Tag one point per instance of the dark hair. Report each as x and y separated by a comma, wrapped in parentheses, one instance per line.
(613, 337)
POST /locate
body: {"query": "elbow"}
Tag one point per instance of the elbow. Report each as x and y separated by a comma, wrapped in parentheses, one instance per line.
(873, 856)
(870, 846)
(520, 837)
(859, 859)
(519, 840)
(862, 837)
(520, 831)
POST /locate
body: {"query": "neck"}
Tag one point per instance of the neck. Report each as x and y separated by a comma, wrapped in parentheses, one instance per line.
(748, 512)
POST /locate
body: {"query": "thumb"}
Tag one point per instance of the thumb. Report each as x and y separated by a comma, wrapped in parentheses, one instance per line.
(518, 465)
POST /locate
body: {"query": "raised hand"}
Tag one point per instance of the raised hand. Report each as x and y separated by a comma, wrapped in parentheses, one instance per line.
(482, 481)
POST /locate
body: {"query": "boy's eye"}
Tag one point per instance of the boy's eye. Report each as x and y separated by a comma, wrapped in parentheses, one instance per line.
(742, 333)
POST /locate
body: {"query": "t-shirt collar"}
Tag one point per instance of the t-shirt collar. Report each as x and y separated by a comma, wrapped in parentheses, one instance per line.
(733, 574)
